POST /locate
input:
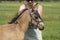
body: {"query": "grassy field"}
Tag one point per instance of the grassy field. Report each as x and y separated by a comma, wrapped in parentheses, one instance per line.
(51, 17)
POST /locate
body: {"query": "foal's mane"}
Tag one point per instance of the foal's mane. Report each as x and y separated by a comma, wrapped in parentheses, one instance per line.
(17, 16)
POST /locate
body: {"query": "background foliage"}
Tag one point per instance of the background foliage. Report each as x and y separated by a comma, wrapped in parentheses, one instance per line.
(24, 0)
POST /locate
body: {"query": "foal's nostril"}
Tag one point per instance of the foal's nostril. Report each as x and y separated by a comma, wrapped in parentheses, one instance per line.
(41, 28)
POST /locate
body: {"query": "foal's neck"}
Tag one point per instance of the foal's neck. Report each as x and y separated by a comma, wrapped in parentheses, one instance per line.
(23, 21)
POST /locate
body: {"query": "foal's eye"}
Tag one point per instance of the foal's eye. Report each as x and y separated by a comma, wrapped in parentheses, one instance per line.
(36, 17)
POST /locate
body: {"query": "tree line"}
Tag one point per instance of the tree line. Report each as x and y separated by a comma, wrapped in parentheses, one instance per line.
(35, 0)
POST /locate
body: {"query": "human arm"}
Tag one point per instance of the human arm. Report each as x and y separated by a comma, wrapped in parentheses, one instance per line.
(40, 10)
(21, 8)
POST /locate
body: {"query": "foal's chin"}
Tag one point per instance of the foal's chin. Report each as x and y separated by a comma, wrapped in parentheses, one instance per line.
(41, 28)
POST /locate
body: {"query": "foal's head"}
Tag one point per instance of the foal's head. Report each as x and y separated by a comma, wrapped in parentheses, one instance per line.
(37, 21)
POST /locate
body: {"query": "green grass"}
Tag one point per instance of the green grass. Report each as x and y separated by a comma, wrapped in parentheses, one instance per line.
(51, 17)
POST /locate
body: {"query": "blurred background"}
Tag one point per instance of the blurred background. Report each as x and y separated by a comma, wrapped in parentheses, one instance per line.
(51, 15)
(35, 0)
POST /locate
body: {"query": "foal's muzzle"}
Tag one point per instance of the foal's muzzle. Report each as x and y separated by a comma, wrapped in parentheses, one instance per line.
(41, 26)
